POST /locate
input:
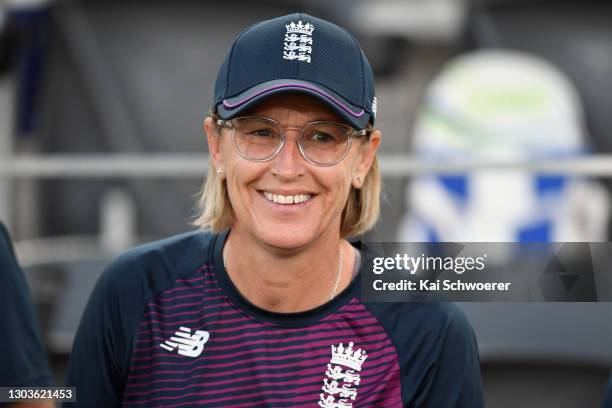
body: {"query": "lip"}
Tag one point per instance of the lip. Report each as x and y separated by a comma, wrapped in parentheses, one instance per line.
(286, 193)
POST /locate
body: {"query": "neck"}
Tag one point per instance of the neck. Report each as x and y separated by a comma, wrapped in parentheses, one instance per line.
(288, 281)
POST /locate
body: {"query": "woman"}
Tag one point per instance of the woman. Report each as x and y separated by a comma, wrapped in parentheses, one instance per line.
(265, 310)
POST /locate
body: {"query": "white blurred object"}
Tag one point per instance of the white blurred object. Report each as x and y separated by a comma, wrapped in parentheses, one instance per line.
(418, 20)
(117, 221)
(499, 104)
(502, 105)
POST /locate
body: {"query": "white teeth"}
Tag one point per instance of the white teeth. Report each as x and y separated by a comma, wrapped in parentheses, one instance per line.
(290, 199)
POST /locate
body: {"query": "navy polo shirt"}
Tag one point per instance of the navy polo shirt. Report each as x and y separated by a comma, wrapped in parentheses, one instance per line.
(165, 326)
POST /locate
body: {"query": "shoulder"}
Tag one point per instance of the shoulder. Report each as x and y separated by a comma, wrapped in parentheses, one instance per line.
(159, 263)
(13, 285)
(423, 320)
(11, 277)
(440, 315)
(171, 251)
(139, 274)
(3, 233)
(437, 353)
(118, 301)
(426, 318)
(6, 247)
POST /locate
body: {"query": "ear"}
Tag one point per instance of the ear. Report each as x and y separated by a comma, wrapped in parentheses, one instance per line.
(214, 143)
(367, 154)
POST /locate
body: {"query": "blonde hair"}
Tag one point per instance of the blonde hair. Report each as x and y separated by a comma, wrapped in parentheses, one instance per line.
(359, 215)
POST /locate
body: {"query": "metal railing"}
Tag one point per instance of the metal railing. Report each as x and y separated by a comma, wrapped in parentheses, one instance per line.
(196, 165)
(163, 166)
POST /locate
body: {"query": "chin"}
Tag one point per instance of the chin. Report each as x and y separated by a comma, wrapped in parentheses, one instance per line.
(288, 237)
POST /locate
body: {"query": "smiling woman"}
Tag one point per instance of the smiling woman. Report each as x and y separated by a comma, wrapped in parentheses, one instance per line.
(262, 306)
(290, 145)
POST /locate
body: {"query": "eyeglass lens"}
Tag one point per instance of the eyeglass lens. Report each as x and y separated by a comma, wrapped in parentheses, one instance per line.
(259, 139)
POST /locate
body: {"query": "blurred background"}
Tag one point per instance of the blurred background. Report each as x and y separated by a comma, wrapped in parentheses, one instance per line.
(496, 121)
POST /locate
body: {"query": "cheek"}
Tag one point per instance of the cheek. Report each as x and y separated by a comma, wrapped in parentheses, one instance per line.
(340, 185)
(237, 178)
(237, 170)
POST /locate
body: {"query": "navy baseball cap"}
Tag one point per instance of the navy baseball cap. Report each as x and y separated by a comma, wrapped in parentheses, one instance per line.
(297, 53)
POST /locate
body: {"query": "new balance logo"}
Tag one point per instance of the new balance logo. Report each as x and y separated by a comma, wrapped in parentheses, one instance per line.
(190, 345)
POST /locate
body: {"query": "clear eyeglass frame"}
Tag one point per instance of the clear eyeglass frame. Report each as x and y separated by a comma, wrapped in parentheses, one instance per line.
(350, 132)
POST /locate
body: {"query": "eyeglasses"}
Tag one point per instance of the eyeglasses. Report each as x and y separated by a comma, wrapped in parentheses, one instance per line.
(321, 143)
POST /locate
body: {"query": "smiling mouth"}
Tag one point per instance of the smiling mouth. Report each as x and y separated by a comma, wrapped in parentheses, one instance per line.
(287, 199)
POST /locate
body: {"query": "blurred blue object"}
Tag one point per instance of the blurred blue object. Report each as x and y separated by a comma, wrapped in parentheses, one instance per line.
(498, 104)
(492, 105)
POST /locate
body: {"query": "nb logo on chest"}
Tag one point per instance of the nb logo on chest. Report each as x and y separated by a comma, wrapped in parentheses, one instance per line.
(187, 344)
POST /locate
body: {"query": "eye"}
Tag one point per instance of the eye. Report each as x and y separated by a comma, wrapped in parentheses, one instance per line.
(322, 137)
(262, 133)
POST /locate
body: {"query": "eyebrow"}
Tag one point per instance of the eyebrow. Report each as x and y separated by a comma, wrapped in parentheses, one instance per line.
(316, 119)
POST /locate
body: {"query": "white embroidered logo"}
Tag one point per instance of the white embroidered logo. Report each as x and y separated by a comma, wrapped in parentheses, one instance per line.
(190, 345)
(340, 382)
(298, 42)
(374, 106)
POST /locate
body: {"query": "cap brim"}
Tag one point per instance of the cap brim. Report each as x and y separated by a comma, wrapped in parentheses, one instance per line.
(352, 114)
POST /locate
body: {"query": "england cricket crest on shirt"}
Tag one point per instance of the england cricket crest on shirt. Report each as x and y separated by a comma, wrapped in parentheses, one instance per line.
(342, 377)
(298, 42)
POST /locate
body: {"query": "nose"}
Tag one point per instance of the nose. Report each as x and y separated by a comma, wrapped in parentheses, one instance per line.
(289, 164)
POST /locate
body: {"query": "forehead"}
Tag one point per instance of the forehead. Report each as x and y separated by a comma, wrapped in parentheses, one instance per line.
(292, 108)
